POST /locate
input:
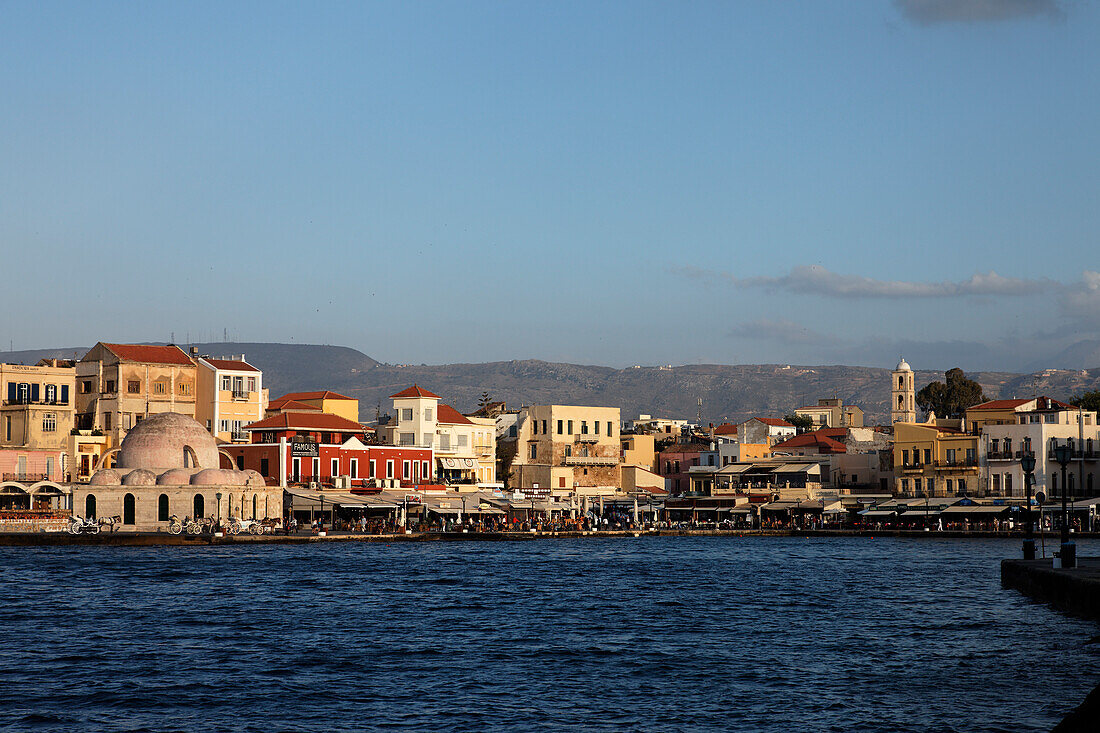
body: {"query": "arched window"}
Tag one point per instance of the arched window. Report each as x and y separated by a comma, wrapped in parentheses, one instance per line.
(901, 382)
(89, 507)
(128, 509)
(200, 507)
(255, 502)
(901, 402)
(162, 508)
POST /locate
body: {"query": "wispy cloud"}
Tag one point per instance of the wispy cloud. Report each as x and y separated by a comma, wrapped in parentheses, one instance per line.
(933, 12)
(1083, 299)
(817, 280)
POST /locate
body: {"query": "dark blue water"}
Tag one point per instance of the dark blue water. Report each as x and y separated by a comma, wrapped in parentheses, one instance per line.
(754, 634)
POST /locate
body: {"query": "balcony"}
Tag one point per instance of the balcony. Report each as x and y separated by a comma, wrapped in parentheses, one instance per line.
(915, 467)
(590, 461)
(239, 436)
(962, 463)
(24, 477)
(1003, 455)
(241, 395)
(588, 438)
(29, 401)
(1077, 455)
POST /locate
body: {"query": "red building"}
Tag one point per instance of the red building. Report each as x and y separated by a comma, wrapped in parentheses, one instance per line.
(318, 447)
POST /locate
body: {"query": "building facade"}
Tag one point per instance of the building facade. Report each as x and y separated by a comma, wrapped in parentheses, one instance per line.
(567, 449)
(230, 395)
(36, 419)
(832, 413)
(903, 405)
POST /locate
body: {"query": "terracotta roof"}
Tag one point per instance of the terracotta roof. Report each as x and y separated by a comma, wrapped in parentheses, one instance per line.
(448, 414)
(149, 354)
(307, 421)
(231, 365)
(414, 391)
(285, 403)
(726, 429)
(999, 405)
(774, 421)
(324, 394)
(816, 439)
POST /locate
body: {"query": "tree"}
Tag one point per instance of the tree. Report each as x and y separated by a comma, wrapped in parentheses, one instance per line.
(484, 401)
(950, 400)
(1089, 400)
(804, 423)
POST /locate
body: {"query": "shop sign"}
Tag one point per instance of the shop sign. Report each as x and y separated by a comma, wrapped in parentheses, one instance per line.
(412, 498)
(304, 449)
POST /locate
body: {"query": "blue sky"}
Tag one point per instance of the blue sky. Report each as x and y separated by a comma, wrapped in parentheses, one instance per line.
(611, 183)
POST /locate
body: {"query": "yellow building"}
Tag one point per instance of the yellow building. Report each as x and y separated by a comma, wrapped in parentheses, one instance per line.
(566, 449)
(118, 385)
(230, 396)
(832, 413)
(935, 460)
(36, 415)
(639, 450)
(328, 401)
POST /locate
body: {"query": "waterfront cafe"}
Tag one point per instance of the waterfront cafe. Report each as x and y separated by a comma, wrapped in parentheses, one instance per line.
(803, 513)
(40, 506)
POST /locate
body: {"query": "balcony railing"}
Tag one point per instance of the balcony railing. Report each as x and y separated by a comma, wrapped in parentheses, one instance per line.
(588, 438)
(241, 395)
(29, 401)
(958, 463)
(912, 467)
(24, 477)
(239, 436)
(1078, 454)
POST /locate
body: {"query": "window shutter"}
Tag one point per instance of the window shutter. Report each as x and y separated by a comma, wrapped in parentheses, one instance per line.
(65, 394)
(11, 392)
(34, 392)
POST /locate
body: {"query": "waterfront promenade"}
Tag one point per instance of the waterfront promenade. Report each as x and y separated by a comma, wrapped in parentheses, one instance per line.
(139, 539)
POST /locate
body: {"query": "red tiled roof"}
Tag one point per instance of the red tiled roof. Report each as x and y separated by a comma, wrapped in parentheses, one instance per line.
(149, 354)
(413, 391)
(285, 403)
(1000, 405)
(448, 414)
(324, 394)
(726, 429)
(774, 421)
(307, 421)
(816, 439)
(231, 365)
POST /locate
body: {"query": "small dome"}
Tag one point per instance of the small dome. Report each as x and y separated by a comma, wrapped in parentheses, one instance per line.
(903, 366)
(254, 478)
(106, 477)
(140, 477)
(168, 440)
(218, 477)
(176, 477)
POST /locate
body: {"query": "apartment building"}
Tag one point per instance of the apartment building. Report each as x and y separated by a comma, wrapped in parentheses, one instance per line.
(230, 395)
(36, 419)
(118, 385)
(936, 459)
(832, 413)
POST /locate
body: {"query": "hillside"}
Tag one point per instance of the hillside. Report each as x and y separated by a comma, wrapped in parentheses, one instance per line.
(729, 392)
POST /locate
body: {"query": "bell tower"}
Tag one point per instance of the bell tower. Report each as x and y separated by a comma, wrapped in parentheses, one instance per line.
(903, 406)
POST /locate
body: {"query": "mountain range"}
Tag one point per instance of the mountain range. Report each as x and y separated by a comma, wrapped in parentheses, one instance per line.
(727, 392)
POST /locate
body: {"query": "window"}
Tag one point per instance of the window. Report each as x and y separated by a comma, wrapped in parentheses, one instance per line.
(916, 485)
(184, 388)
(406, 469)
(199, 506)
(570, 423)
(512, 433)
(427, 414)
(904, 485)
(49, 422)
(970, 455)
(559, 427)
(133, 386)
(370, 469)
(226, 384)
(128, 509)
(389, 469)
(444, 442)
(316, 468)
(996, 484)
(251, 384)
(354, 468)
(1008, 484)
(406, 414)
(584, 427)
(162, 508)
(596, 426)
(51, 393)
(223, 426)
(7, 427)
(106, 421)
(995, 445)
(335, 466)
(949, 486)
(927, 455)
(534, 427)
(534, 451)
(424, 470)
(86, 388)
(406, 439)
(610, 430)
(89, 507)
(265, 467)
(544, 426)
(462, 441)
(160, 388)
(427, 443)
(950, 455)
(905, 457)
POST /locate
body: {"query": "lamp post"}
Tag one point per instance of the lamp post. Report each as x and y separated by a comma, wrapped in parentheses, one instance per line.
(1063, 455)
(1027, 462)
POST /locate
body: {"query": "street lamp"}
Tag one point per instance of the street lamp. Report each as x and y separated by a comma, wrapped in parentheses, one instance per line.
(1063, 455)
(1027, 462)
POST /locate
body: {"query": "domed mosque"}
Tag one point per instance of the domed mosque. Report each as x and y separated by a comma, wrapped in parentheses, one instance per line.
(168, 464)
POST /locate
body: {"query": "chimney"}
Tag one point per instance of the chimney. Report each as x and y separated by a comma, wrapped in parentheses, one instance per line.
(194, 351)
